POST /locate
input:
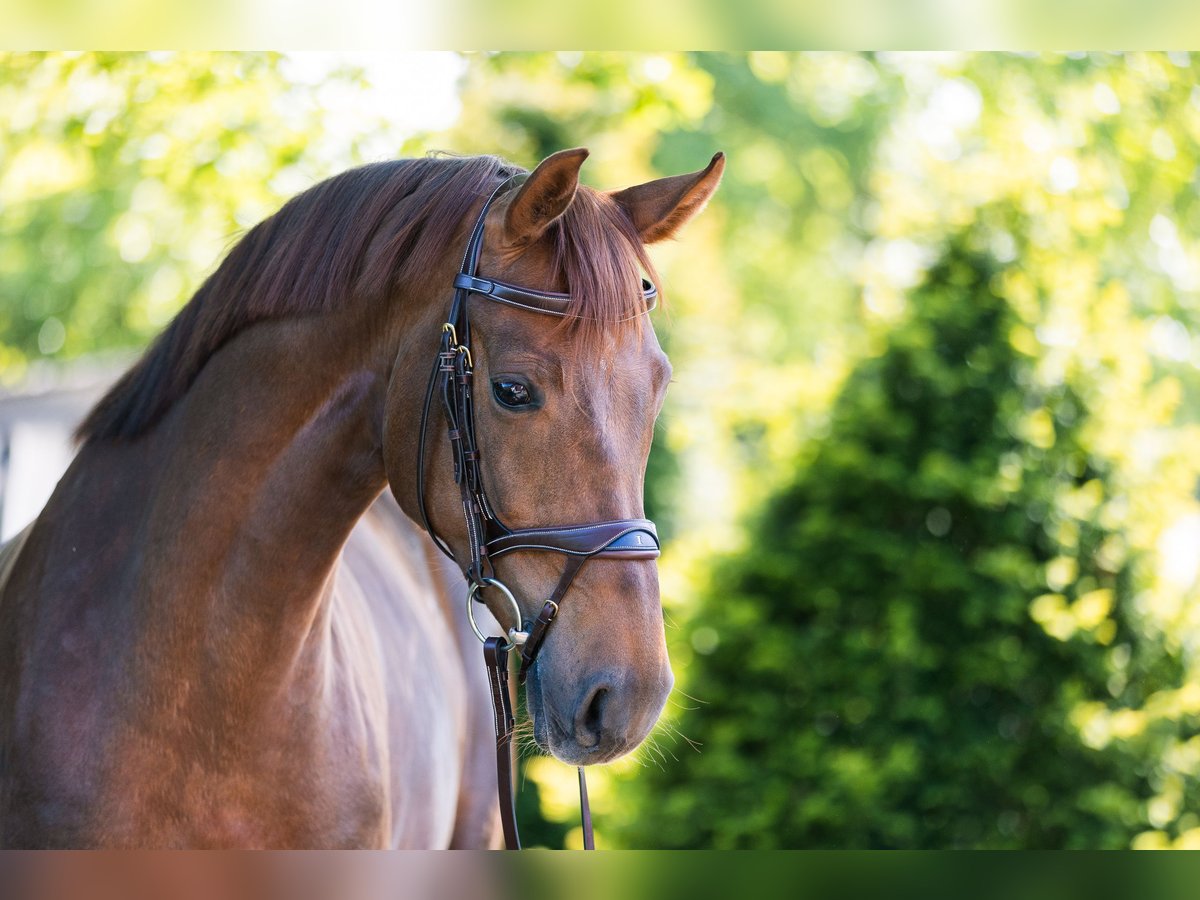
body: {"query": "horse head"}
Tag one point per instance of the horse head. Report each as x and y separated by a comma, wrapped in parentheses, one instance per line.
(553, 415)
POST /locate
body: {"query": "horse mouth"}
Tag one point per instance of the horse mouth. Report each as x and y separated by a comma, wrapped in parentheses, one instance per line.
(536, 708)
(552, 739)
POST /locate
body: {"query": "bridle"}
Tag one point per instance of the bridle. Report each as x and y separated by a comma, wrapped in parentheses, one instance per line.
(488, 537)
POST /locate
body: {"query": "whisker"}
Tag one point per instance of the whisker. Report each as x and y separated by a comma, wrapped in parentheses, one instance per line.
(657, 758)
(678, 705)
(666, 750)
(695, 745)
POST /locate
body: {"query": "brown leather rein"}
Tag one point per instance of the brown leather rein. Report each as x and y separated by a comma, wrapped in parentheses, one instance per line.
(488, 537)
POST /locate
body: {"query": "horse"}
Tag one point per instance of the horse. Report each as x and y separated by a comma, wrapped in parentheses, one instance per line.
(226, 628)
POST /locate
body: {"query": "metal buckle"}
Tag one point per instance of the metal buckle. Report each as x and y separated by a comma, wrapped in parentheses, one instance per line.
(515, 637)
(455, 346)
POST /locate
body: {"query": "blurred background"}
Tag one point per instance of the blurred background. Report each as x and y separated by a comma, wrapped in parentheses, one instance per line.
(927, 473)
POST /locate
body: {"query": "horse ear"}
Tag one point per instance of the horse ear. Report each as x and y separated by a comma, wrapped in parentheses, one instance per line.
(660, 208)
(545, 195)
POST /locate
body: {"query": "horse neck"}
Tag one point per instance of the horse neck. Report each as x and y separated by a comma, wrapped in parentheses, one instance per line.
(252, 502)
(259, 474)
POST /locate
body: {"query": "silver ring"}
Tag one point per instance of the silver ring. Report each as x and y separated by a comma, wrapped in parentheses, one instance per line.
(515, 637)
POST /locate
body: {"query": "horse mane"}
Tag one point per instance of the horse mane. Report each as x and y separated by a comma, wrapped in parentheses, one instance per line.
(361, 233)
(599, 256)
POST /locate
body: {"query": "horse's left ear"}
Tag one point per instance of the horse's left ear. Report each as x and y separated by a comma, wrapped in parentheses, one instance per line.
(660, 208)
(545, 195)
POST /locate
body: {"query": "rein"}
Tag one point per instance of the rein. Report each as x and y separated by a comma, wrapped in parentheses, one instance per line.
(488, 537)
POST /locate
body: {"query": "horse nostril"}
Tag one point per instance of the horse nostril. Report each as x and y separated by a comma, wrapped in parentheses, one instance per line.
(588, 721)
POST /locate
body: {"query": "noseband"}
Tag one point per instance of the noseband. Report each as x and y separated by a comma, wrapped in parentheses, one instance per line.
(488, 537)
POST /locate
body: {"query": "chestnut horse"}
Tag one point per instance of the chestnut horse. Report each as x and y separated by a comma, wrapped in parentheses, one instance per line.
(218, 633)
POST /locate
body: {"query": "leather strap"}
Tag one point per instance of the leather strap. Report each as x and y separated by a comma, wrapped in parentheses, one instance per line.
(495, 654)
(538, 628)
(627, 538)
(546, 302)
(537, 634)
(585, 811)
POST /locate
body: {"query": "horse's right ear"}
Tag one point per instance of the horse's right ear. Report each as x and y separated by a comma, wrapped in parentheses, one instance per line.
(660, 208)
(544, 196)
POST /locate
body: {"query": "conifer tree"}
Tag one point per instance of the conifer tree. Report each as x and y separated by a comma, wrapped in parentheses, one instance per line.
(899, 647)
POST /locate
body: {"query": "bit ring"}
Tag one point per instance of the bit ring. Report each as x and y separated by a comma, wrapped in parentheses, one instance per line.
(515, 637)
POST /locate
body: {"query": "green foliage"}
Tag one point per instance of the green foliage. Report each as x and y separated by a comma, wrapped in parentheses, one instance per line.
(848, 173)
(880, 677)
(124, 177)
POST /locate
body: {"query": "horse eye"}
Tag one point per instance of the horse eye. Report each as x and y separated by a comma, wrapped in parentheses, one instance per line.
(512, 394)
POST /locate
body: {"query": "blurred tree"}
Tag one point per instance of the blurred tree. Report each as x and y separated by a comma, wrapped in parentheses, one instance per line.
(847, 174)
(881, 609)
(123, 177)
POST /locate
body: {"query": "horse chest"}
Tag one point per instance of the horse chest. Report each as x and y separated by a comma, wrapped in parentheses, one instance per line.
(298, 781)
(357, 750)
(311, 766)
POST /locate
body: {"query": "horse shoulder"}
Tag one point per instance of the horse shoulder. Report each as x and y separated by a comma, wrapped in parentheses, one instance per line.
(390, 628)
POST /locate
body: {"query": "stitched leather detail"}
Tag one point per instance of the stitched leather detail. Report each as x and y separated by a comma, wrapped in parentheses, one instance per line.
(548, 302)
(598, 539)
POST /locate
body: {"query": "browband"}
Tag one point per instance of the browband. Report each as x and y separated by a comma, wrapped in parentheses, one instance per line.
(548, 302)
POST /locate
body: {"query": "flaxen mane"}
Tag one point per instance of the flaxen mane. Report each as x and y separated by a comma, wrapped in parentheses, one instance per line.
(312, 255)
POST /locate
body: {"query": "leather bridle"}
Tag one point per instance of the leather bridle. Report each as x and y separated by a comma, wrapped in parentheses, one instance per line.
(488, 537)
